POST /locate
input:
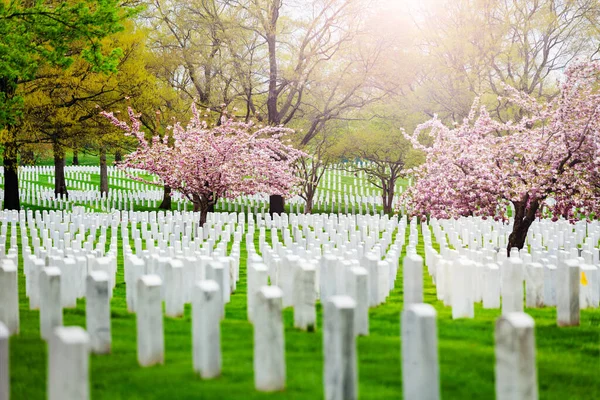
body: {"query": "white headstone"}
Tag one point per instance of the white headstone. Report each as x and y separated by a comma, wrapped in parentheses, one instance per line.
(9, 296)
(269, 345)
(512, 284)
(339, 349)
(462, 288)
(257, 278)
(51, 313)
(516, 375)
(534, 285)
(68, 364)
(97, 312)
(491, 286)
(35, 268)
(372, 267)
(174, 292)
(305, 315)
(357, 287)
(413, 279)
(4, 363)
(150, 333)
(567, 293)
(549, 284)
(420, 366)
(206, 328)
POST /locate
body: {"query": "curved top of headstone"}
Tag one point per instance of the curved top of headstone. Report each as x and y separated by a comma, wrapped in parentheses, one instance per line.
(51, 271)
(151, 280)
(3, 331)
(71, 334)
(176, 263)
(260, 267)
(342, 301)
(517, 320)
(208, 285)
(8, 265)
(271, 292)
(421, 309)
(99, 275)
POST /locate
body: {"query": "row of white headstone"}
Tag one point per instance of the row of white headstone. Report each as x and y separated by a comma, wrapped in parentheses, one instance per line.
(477, 271)
(315, 259)
(69, 347)
(332, 195)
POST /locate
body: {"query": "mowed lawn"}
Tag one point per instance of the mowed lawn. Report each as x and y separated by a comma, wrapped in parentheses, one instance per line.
(568, 359)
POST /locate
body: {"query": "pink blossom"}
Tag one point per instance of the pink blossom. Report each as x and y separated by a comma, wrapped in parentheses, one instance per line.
(547, 161)
(206, 164)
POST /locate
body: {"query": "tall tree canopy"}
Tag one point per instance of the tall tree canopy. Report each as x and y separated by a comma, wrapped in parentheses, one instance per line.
(34, 34)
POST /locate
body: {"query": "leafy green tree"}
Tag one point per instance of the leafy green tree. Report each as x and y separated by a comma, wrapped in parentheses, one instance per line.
(35, 34)
(383, 153)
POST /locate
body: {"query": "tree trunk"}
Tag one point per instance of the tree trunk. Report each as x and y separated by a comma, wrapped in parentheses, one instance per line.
(202, 205)
(310, 198)
(118, 156)
(75, 157)
(276, 204)
(388, 197)
(271, 37)
(60, 184)
(11, 177)
(309, 205)
(524, 217)
(103, 173)
(166, 202)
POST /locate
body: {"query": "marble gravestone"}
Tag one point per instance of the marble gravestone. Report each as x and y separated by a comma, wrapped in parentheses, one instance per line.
(150, 333)
(51, 313)
(269, 345)
(97, 312)
(516, 374)
(4, 363)
(304, 297)
(339, 349)
(413, 279)
(357, 287)
(420, 367)
(206, 328)
(567, 293)
(174, 294)
(512, 284)
(68, 364)
(9, 296)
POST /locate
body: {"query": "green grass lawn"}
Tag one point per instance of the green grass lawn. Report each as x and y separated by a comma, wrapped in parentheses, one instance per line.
(85, 158)
(568, 359)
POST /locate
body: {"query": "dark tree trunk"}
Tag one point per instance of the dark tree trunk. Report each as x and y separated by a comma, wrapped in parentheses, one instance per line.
(524, 217)
(118, 156)
(60, 184)
(388, 197)
(310, 197)
(75, 157)
(27, 157)
(276, 204)
(309, 204)
(166, 201)
(273, 93)
(202, 205)
(103, 174)
(11, 177)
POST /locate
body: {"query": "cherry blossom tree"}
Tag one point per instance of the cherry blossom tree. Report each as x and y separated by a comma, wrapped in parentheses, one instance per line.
(546, 164)
(206, 164)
